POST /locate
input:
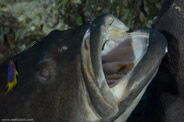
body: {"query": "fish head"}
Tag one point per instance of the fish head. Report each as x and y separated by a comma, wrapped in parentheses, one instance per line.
(96, 72)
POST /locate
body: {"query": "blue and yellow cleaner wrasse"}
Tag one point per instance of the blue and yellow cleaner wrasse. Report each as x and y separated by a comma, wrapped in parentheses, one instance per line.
(12, 76)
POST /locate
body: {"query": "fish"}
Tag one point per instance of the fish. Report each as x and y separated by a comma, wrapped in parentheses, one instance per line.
(12, 76)
(95, 72)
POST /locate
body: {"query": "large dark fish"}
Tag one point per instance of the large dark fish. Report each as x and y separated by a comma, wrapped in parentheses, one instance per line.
(96, 72)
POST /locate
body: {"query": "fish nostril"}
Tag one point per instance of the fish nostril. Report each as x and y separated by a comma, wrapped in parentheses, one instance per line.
(63, 48)
(44, 73)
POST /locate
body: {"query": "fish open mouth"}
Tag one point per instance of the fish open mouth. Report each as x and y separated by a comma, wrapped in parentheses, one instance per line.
(121, 52)
(112, 59)
(115, 52)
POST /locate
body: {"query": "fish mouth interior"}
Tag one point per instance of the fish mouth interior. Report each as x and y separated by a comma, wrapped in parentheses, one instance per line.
(109, 55)
(121, 52)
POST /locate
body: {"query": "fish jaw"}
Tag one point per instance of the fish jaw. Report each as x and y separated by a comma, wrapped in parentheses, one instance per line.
(117, 99)
(105, 103)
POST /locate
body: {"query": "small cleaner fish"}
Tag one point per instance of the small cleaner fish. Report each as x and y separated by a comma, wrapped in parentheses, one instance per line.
(12, 77)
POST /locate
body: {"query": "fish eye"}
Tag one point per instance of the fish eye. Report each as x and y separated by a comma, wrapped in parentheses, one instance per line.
(45, 74)
(45, 71)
